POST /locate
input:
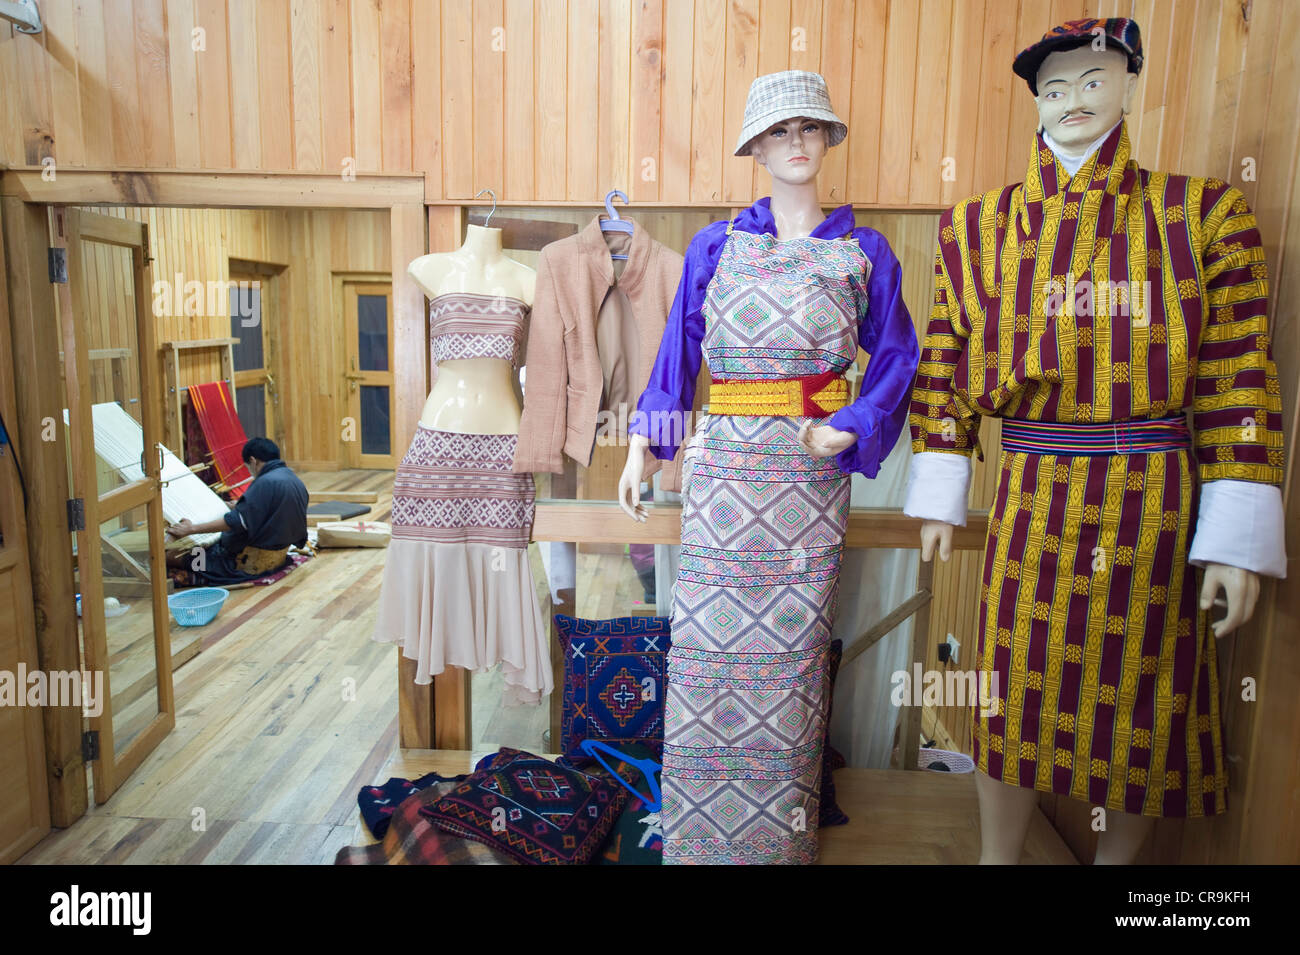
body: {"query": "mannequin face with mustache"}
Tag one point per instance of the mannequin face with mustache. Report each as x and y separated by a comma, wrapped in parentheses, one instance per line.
(1082, 93)
(792, 150)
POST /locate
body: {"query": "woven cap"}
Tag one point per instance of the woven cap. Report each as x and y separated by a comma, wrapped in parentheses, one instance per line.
(1119, 33)
(775, 97)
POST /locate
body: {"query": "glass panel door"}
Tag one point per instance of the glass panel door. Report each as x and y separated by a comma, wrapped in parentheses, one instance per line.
(368, 322)
(115, 425)
(253, 387)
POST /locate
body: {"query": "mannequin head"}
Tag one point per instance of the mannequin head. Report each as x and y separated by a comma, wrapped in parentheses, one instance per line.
(791, 150)
(1082, 93)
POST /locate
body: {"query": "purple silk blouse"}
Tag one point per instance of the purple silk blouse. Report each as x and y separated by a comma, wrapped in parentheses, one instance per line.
(885, 332)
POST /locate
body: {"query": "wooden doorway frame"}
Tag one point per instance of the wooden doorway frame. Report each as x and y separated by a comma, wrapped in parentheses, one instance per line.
(26, 194)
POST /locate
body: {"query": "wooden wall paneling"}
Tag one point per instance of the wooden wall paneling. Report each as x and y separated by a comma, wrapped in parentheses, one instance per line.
(1201, 122)
(367, 97)
(487, 115)
(11, 136)
(305, 64)
(338, 154)
(901, 56)
(806, 35)
(678, 109)
(1252, 117)
(929, 115)
(520, 98)
(965, 55)
(152, 72)
(92, 85)
(1036, 17)
(707, 119)
(213, 72)
(275, 86)
(614, 101)
(395, 90)
(34, 98)
(741, 32)
(582, 110)
(1225, 98)
(183, 83)
(995, 83)
(837, 61)
(644, 107)
(61, 52)
(550, 104)
(245, 95)
(426, 94)
(774, 41)
(866, 116)
(408, 322)
(458, 128)
(35, 343)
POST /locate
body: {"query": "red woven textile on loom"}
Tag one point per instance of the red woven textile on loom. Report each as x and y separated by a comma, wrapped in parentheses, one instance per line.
(215, 408)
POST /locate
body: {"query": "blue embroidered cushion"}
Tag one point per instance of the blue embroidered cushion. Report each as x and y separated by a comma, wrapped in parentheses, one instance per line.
(614, 681)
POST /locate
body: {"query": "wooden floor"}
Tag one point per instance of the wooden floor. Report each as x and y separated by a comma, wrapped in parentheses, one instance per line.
(267, 753)
(895, 817)
(286, 708)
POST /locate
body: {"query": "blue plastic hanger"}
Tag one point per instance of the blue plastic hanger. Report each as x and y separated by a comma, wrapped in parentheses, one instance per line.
(648, 767)
(614, 223)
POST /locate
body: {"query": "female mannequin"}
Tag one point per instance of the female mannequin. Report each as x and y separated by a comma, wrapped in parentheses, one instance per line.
(458, 589)
(779, 301)
(1091, 627)
(473, 395)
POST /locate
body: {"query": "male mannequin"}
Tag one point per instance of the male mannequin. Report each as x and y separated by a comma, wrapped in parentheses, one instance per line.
(473, 395)
(1103, 647)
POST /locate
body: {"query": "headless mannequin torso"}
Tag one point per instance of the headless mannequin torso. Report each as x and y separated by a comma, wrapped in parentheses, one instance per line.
(474, 395)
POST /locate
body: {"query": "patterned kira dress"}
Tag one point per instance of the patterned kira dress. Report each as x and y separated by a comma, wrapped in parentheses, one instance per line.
(1105, 666)
(458, 589)
(762, 530)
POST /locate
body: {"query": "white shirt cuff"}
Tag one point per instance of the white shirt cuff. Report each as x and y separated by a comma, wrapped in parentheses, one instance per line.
(1241, 524)
(938, 486)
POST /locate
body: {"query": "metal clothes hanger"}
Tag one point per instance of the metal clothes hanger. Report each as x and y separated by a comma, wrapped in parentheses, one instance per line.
(494, 204)
(614, 223)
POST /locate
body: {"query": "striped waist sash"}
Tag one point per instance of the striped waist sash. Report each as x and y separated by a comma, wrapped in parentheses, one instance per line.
(1108, 437)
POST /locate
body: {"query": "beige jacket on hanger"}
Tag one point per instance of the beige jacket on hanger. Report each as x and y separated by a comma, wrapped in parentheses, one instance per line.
(592, 341)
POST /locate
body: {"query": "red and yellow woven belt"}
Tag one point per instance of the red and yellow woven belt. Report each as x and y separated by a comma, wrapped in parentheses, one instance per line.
(811, 396)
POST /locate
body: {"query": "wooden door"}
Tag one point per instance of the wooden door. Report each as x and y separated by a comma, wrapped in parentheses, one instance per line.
(24, 797)
(251, 322)
(368, 334)
(117, 507)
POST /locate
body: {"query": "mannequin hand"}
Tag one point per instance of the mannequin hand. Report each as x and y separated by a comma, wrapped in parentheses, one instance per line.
(936, 532)
(1240, 589)
(629, 482)
(823, 441)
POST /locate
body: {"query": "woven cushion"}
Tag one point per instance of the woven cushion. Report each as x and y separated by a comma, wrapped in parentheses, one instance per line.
(533, 810)
(614, 681)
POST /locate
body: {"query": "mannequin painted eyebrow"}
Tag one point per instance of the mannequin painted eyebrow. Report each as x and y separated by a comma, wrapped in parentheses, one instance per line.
(1061, 79)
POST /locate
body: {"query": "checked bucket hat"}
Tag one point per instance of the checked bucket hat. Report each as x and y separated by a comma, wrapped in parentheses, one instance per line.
(775, 97)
